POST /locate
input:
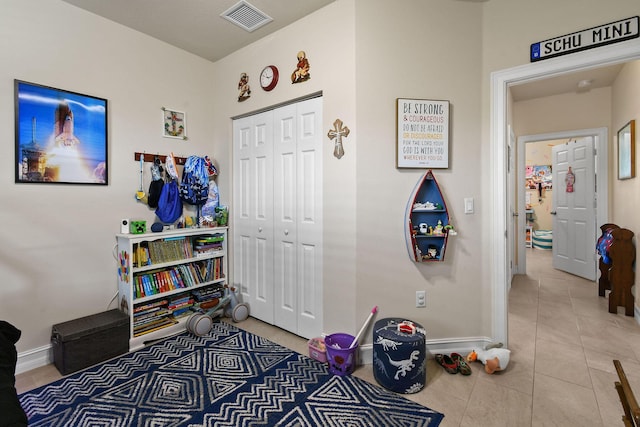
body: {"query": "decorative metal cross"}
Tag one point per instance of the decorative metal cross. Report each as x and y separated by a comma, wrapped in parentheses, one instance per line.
(338, 132)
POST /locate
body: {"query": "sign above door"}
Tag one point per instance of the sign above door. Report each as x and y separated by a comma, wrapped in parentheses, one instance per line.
(602, 35)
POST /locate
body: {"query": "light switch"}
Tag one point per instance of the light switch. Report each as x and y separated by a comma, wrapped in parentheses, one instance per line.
(468, 205)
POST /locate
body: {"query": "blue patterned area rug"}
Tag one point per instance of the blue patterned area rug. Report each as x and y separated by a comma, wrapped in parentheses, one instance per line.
(227, 378)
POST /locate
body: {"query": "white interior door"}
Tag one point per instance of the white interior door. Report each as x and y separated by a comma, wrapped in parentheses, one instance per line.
(253, 212)
(512, 230)
(574, 209)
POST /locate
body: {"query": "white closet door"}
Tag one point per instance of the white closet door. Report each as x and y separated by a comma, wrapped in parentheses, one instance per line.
(253, 216)
(309, 217)
(278, 215)
(285, 217)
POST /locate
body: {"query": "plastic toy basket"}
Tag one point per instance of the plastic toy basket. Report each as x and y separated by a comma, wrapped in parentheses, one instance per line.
(341, 358)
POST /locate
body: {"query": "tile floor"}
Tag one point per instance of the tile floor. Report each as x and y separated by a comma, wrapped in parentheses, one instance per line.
(563, 342)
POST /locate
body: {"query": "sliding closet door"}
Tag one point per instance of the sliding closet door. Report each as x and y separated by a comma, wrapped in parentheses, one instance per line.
(253, 212)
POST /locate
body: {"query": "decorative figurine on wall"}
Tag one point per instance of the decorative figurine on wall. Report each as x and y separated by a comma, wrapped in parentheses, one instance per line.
(338, 132)
(301, 74)
(244, 88)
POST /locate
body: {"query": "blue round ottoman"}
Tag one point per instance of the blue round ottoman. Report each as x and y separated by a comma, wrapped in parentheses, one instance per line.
(399, 355)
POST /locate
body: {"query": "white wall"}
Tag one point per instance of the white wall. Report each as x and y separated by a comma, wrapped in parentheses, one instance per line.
(421, 50)
(625, 196)
(327, 37)
(57, 240)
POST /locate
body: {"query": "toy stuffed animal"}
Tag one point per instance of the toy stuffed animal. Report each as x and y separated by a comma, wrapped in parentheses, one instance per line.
(494, 359)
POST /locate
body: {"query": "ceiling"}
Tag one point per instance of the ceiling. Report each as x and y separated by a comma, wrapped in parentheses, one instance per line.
(566, 83)
(197, 27)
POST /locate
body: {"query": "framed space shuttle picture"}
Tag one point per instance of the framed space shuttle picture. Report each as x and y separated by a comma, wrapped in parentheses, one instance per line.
(60, 136)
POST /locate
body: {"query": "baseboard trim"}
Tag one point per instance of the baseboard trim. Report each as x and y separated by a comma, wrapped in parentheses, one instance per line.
(444, 346)
(42, 356)
(34, 358)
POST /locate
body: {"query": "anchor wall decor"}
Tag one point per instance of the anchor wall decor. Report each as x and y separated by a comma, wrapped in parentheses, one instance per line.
(338, 132)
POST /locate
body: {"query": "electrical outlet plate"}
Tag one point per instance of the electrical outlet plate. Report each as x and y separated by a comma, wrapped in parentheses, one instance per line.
(421, 299)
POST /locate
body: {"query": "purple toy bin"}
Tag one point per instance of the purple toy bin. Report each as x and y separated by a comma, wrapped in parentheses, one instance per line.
(341, 358)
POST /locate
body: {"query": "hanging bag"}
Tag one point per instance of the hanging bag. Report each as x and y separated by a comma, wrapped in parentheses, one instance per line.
(194, 188)
(169, 205)
(157, 182)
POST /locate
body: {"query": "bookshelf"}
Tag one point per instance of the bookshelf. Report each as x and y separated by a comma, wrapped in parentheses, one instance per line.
(162, 276)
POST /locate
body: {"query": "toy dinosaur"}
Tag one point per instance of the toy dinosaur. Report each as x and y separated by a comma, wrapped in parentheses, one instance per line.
(494, 359)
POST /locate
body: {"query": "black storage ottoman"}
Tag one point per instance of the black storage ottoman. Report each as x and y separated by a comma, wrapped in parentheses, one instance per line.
(83, 342)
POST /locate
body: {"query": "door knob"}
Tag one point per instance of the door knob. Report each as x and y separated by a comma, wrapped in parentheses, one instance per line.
(552, 212)
(286, 232)
(259, 229)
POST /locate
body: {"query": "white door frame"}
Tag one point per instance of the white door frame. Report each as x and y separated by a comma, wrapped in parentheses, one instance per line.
(499, 90)
(601, 138)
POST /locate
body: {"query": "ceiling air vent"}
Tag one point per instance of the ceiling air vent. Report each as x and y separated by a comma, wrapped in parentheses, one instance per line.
(246, 16)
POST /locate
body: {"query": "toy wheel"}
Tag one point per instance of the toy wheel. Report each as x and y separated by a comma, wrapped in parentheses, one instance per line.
(199, 324)
(240, 312)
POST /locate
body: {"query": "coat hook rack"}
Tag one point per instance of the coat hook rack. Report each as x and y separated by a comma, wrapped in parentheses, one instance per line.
(150, 157)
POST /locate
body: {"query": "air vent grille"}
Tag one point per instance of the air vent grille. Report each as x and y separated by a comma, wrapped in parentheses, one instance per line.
(246, 16)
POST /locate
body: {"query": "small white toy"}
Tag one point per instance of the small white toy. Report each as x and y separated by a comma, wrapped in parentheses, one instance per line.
(494, 359)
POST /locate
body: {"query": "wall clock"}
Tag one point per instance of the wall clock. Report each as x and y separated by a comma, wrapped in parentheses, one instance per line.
(269, 77)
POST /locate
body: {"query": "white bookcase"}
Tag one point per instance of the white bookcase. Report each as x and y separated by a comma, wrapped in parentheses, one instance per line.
(157, 269)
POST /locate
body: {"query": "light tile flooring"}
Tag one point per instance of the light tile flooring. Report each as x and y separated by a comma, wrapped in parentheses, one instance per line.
(563, 342)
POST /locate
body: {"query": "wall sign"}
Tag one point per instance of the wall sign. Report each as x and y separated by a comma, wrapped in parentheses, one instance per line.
(613, 32)
(423, 133)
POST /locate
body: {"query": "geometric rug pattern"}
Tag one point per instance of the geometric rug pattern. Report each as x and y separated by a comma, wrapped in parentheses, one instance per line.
(228, 378)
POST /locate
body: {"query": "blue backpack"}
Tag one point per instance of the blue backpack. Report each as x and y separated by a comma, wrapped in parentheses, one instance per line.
(169, 204)
(194, 188)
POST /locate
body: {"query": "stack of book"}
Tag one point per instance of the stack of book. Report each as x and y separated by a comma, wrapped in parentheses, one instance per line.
(151, 317)
(206, 294)
(180, 305)
(208, 244)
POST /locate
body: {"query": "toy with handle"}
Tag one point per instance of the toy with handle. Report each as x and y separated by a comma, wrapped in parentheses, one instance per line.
(140, 195)
(374, 310)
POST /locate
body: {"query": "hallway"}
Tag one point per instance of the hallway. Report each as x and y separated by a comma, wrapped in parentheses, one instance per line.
(565, 340)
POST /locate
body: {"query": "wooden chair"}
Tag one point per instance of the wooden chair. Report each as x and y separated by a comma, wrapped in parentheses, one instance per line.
(631, 417)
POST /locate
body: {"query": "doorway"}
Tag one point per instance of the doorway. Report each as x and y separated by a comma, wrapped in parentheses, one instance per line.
(501, 81)
(600, 136)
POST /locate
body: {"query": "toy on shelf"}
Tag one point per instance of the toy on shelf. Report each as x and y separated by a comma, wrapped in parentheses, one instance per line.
(493, 359)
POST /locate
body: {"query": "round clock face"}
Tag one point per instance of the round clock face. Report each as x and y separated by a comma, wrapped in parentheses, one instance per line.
(269, 77)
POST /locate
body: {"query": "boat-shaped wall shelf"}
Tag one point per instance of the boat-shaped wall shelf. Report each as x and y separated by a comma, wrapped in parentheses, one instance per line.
(427, 226)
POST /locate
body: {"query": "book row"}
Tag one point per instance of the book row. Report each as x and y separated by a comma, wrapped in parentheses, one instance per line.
(175, 248)
(160, 314)
(177, 277)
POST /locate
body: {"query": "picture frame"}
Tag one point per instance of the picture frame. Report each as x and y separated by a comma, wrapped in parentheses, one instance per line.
(422, 138)
(61, 137)
(174, 123)
(627, 151)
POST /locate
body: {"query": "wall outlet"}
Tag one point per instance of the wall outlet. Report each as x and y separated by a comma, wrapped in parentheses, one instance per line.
(421, 299)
